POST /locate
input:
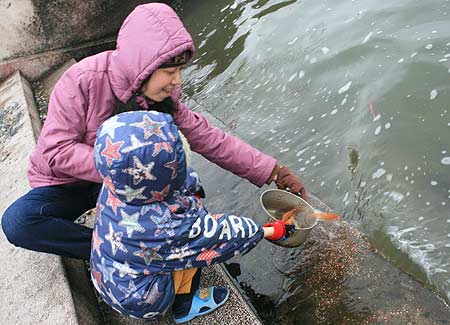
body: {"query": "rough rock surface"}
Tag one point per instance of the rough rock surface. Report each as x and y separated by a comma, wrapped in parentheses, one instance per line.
(33, 287)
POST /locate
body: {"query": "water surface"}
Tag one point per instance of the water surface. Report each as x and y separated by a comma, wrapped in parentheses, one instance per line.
(353, 96)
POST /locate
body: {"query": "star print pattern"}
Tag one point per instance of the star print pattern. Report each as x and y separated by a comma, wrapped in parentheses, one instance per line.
(98, 212)
(131, 290)
(96, 242)
(217, 216)
(114, 202)
(97, 154)
(113, 298)
(115, 239)
(207, 255)
(130, 222)
(135, 144)
(174, 166)
(146, 213)
(164, 224)
(180, 253)
(162, 146)
(106, 271)
(140, 171)
(109, 184)
(159, 196)
(131, 193)
(97, 277)
(150, 127)
(148, 254)
(188, 265)
(171, 136)
(155, 208)
(174, 207)
(125, 269)
(152, 295)
(111, 152)
(110, 126)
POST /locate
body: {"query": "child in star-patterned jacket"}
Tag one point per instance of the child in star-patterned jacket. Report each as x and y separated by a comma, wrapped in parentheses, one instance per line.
(151, 230)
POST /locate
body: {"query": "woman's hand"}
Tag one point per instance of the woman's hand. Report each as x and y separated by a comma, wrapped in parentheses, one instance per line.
(277, 230)
(285, 179)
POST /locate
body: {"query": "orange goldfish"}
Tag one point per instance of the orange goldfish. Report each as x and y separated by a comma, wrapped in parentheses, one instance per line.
(326, 216)
(289, 216)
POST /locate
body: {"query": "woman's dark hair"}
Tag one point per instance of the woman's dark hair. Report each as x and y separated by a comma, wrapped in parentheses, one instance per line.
(167, 106)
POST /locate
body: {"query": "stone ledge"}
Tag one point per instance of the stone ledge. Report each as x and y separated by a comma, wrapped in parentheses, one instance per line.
(33, 286)
(38, 65)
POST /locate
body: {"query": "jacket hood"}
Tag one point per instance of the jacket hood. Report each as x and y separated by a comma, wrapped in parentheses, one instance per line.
(140, 157)
(149, 36)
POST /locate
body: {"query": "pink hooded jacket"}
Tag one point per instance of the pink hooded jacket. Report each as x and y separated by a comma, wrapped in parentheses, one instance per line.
(86, 95)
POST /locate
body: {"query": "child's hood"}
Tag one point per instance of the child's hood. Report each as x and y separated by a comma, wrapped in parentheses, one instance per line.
(149, 36)
(140, 157)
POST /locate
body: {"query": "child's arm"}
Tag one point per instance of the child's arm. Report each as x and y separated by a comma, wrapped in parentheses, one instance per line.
(217, 238)
(268, 231)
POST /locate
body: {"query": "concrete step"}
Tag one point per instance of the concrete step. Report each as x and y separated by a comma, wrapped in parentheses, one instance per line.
(33, 286)
(36, 66)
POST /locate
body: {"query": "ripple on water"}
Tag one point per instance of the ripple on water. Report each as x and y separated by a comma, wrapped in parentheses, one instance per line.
(367, 38)
(433, 94)
(380, 172)
(377, 130)
(445, 161)
(325, 50)
(395, 196)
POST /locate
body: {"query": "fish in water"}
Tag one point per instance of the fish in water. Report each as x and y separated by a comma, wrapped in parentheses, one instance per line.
(325, 216)
(290, 215)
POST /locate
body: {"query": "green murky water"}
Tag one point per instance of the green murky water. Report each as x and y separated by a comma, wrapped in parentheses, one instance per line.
(354, 96)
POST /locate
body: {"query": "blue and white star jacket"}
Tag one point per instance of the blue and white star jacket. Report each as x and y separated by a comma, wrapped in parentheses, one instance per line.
(148, 221)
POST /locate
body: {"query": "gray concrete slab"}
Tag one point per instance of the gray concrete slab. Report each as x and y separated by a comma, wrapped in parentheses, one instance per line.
(34, 26)
(235, 311)
(37, 66)
(33, 286)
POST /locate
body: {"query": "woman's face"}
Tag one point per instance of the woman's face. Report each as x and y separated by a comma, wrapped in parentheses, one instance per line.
(162, 82)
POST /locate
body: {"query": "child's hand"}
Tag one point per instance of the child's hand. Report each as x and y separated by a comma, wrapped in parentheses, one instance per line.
(278, 230)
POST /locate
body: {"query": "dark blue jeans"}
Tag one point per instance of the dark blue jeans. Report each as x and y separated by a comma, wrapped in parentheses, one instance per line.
(42, 220)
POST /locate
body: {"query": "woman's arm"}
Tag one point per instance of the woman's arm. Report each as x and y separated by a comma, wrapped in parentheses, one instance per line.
(224, 149)
(65, 127)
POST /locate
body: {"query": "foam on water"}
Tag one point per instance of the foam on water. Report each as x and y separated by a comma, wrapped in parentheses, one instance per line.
(433, 94)
(380, 172)
(345, 88)
(367, 38)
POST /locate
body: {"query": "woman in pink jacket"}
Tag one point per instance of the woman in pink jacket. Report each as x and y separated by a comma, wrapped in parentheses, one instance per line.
(143, 72)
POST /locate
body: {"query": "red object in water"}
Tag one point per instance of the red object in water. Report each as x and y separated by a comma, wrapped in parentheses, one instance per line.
(289, 216)
(327, 216)
(371, 109)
